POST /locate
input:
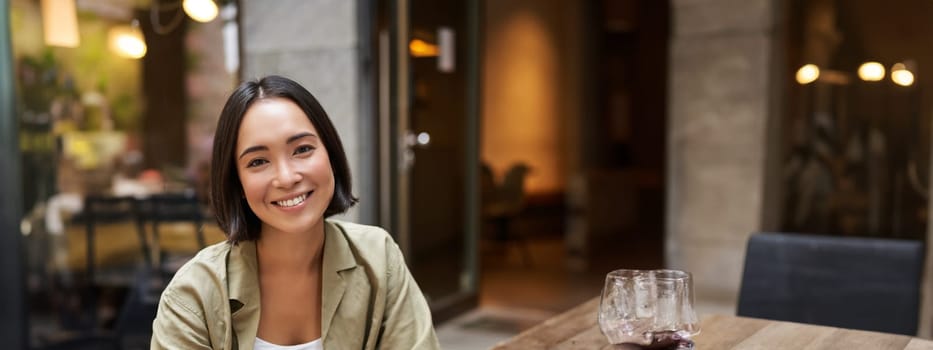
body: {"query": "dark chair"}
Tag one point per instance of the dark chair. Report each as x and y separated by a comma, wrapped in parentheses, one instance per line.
(502, 203)
(858, 283)
(172, 207)
(105, 210)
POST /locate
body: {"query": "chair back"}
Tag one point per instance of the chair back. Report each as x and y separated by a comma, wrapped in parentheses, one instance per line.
(487, 183)
(512, 190)
(858, 283)
(165, 208)
(100, 209)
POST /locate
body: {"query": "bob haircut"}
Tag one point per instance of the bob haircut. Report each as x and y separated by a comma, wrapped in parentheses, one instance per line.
(227, 199)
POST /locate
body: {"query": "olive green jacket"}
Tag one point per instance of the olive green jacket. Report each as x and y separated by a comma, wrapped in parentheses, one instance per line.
(370, 300)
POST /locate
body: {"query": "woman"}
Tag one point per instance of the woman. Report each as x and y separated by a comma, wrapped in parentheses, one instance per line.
(288, 277)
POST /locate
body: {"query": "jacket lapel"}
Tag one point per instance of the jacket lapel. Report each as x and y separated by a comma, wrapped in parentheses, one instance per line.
(338, 258)
(243, 285)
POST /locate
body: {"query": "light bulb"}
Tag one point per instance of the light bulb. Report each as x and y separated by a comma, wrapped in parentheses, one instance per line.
(871, 71)
(808, 74)
(200, 10)
(127, 41)
(901, 76)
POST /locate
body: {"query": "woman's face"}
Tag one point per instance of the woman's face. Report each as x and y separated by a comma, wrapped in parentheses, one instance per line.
(284, 167)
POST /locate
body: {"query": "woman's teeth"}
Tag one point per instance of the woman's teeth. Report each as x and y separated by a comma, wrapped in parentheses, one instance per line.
(292, 202)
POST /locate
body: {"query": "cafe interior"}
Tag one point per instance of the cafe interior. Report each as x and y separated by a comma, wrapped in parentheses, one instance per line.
(526, 155)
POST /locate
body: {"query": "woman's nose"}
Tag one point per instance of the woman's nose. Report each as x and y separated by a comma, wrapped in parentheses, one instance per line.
(286, 175)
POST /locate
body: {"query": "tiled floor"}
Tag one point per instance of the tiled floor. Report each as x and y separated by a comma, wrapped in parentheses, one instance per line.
(484, 327)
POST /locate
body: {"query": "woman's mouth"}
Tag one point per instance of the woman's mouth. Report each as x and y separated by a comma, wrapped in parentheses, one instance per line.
(288, 203)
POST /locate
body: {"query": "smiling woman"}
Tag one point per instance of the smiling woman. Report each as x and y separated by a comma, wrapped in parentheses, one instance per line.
(254, 117)
(282, 163)
(287, 274)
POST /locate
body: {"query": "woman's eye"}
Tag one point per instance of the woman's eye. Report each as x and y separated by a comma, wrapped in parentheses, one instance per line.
(303, 149)
(256, 162)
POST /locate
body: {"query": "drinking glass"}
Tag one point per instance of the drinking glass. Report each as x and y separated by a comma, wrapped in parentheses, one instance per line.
(648, 308)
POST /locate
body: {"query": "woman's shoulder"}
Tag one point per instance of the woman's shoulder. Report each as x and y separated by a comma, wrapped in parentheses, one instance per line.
(369, 241)
(363, 234)
(201, 278)
(210, 261)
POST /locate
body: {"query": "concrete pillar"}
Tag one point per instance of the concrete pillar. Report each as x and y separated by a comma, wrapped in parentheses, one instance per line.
(314, 42)
(720, 139)
(925, 324)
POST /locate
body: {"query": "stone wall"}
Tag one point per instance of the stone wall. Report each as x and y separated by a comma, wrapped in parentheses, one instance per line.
(316, 44)
(720, 95)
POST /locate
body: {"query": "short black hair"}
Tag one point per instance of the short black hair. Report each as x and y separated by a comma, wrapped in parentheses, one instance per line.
(227, 199)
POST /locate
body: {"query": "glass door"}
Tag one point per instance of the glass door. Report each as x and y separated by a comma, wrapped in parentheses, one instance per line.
(428, 112)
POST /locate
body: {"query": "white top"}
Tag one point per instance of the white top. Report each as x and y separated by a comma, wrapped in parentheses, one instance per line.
(311, 345)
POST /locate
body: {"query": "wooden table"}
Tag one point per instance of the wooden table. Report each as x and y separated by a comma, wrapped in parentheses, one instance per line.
(577, 329)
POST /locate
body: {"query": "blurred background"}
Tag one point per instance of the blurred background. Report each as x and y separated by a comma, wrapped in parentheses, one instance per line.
(518, 150)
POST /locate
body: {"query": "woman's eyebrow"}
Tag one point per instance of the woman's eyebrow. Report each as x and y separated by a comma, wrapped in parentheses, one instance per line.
(291, 139)
(252, 149)
(299, 136)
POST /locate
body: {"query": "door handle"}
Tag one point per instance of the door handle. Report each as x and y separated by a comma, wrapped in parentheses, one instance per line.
(413, 141)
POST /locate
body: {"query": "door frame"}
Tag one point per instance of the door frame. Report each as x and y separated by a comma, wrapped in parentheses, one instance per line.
(15, 331)
(394, 97)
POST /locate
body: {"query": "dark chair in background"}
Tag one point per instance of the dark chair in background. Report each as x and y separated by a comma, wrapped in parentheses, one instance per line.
(140, 286)
(503, 202)
(858, 283)
(107, 209)
(172, 208)
(100, 210)
(84, 326)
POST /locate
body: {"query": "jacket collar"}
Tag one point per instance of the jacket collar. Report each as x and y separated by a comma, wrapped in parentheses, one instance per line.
(338, 258)
(243, 282)
(243, 273)
(243, 286)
